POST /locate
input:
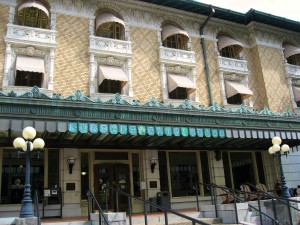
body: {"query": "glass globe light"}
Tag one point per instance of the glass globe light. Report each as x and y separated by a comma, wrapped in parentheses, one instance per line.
(19, 143)
(276, 148)
(271, 151)
(25, 146)
(38, 143)
(29, 133)
(285, 148)
(276, 140)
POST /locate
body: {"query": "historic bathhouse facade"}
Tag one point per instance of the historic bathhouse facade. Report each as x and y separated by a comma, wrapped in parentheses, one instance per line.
(146, 96)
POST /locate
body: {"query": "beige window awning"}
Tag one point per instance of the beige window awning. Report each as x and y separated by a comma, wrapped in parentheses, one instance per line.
(34, 4)
(30, 64)
(224, 41)
(233, 88)
(106, 18)
(296, 91)
(290, 50)
(111, 73)
(175, 81)
(169, 30)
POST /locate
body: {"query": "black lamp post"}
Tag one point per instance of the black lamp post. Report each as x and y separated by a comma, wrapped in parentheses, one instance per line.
(27, 146)
(278, 151)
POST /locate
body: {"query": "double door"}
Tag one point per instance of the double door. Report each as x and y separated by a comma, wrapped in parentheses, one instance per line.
(112, 175)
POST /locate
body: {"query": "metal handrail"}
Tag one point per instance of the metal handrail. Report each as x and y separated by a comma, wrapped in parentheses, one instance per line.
(36, 207)
(91, 202)
(284, 201)
(148, 203)
(233, 193)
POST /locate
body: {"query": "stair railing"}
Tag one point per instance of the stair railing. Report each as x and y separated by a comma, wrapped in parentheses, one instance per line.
(236, 199)
(284, 201)
(92, 202)
(146, 205)
(36, 207)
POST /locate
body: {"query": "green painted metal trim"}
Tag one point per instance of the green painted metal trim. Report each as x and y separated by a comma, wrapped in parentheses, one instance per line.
(142, 130)
(36, 106)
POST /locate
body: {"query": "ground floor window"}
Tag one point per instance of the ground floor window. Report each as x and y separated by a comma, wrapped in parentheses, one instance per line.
(179, 172)
(242, 168)
(13, 175)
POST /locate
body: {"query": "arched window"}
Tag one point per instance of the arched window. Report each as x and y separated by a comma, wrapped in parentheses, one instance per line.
(229, 47)
(173, 37)
(292, 54)
(33, 14)
(110, 26)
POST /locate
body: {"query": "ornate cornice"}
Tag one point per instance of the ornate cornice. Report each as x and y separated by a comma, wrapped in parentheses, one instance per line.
(37, 105)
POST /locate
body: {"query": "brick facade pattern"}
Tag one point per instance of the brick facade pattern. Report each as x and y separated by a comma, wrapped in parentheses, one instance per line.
(71, 67)
(146, 82)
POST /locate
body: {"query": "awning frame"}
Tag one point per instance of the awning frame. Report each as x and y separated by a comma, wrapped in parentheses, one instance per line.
(232, 88)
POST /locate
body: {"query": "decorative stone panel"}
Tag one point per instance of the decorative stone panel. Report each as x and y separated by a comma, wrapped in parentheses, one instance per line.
(72, 55)
(145, 64)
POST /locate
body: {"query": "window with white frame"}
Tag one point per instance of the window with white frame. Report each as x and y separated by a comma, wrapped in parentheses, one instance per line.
(180, 86)
(229, 47)
(33, 14)
(174, 37)
(110, 26)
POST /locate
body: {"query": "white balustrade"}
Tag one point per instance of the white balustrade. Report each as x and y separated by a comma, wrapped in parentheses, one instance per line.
(32, 35)
(176, 55)
(293, 70)
(113, 46)
(229, 64)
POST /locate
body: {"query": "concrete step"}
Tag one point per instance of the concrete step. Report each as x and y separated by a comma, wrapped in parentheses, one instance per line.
(66, 221)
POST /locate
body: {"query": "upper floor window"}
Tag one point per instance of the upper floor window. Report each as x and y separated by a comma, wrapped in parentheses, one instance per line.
(292, 54)
(33, 14)
(236, 92)
(229, 47)
(110, 26)
(111, 79)
(173, 37)
(180, 86)
(29, 71)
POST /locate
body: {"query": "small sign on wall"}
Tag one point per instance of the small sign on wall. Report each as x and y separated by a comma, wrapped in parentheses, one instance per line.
(70, 186)
(153, 184)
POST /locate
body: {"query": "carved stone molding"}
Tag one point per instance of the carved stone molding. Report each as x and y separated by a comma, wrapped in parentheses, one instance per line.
(234, 77)
(30, 51)
(177, 69)
(110, 61)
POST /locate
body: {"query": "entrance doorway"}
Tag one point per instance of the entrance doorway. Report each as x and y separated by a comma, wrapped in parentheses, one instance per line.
(113, 175)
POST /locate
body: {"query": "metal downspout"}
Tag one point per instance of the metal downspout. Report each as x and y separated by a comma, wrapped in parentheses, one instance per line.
(205, 56)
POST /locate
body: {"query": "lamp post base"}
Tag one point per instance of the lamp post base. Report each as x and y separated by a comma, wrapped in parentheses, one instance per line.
(27, 221)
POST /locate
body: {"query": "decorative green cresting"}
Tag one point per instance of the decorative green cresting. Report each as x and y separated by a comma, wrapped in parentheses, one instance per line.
(142, 130)
(152, 103)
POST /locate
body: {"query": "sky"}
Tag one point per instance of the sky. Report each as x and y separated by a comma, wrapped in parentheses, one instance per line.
(289, 9)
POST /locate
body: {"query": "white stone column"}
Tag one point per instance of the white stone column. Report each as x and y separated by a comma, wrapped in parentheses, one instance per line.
(130, 91)
(217, 169)
(11, 15)
(92, 74)
(127, 33)
(51, 70)
(53, 20)
(164, 83)
(7, 65)
(92, 26)
(222, 86)
(290, 86)
(71, 198)
(194, 95)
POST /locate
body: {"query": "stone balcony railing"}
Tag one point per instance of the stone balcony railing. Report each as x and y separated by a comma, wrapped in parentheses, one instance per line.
(30, 35)
(293, 70)
(108, 46)
(232, 65)
(171, 55)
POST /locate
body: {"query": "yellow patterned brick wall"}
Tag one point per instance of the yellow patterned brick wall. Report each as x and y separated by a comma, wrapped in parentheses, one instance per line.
(71, 67)
(145, 64)
(256, 80)
(3, 21)
(201, 80)
(273, 76)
